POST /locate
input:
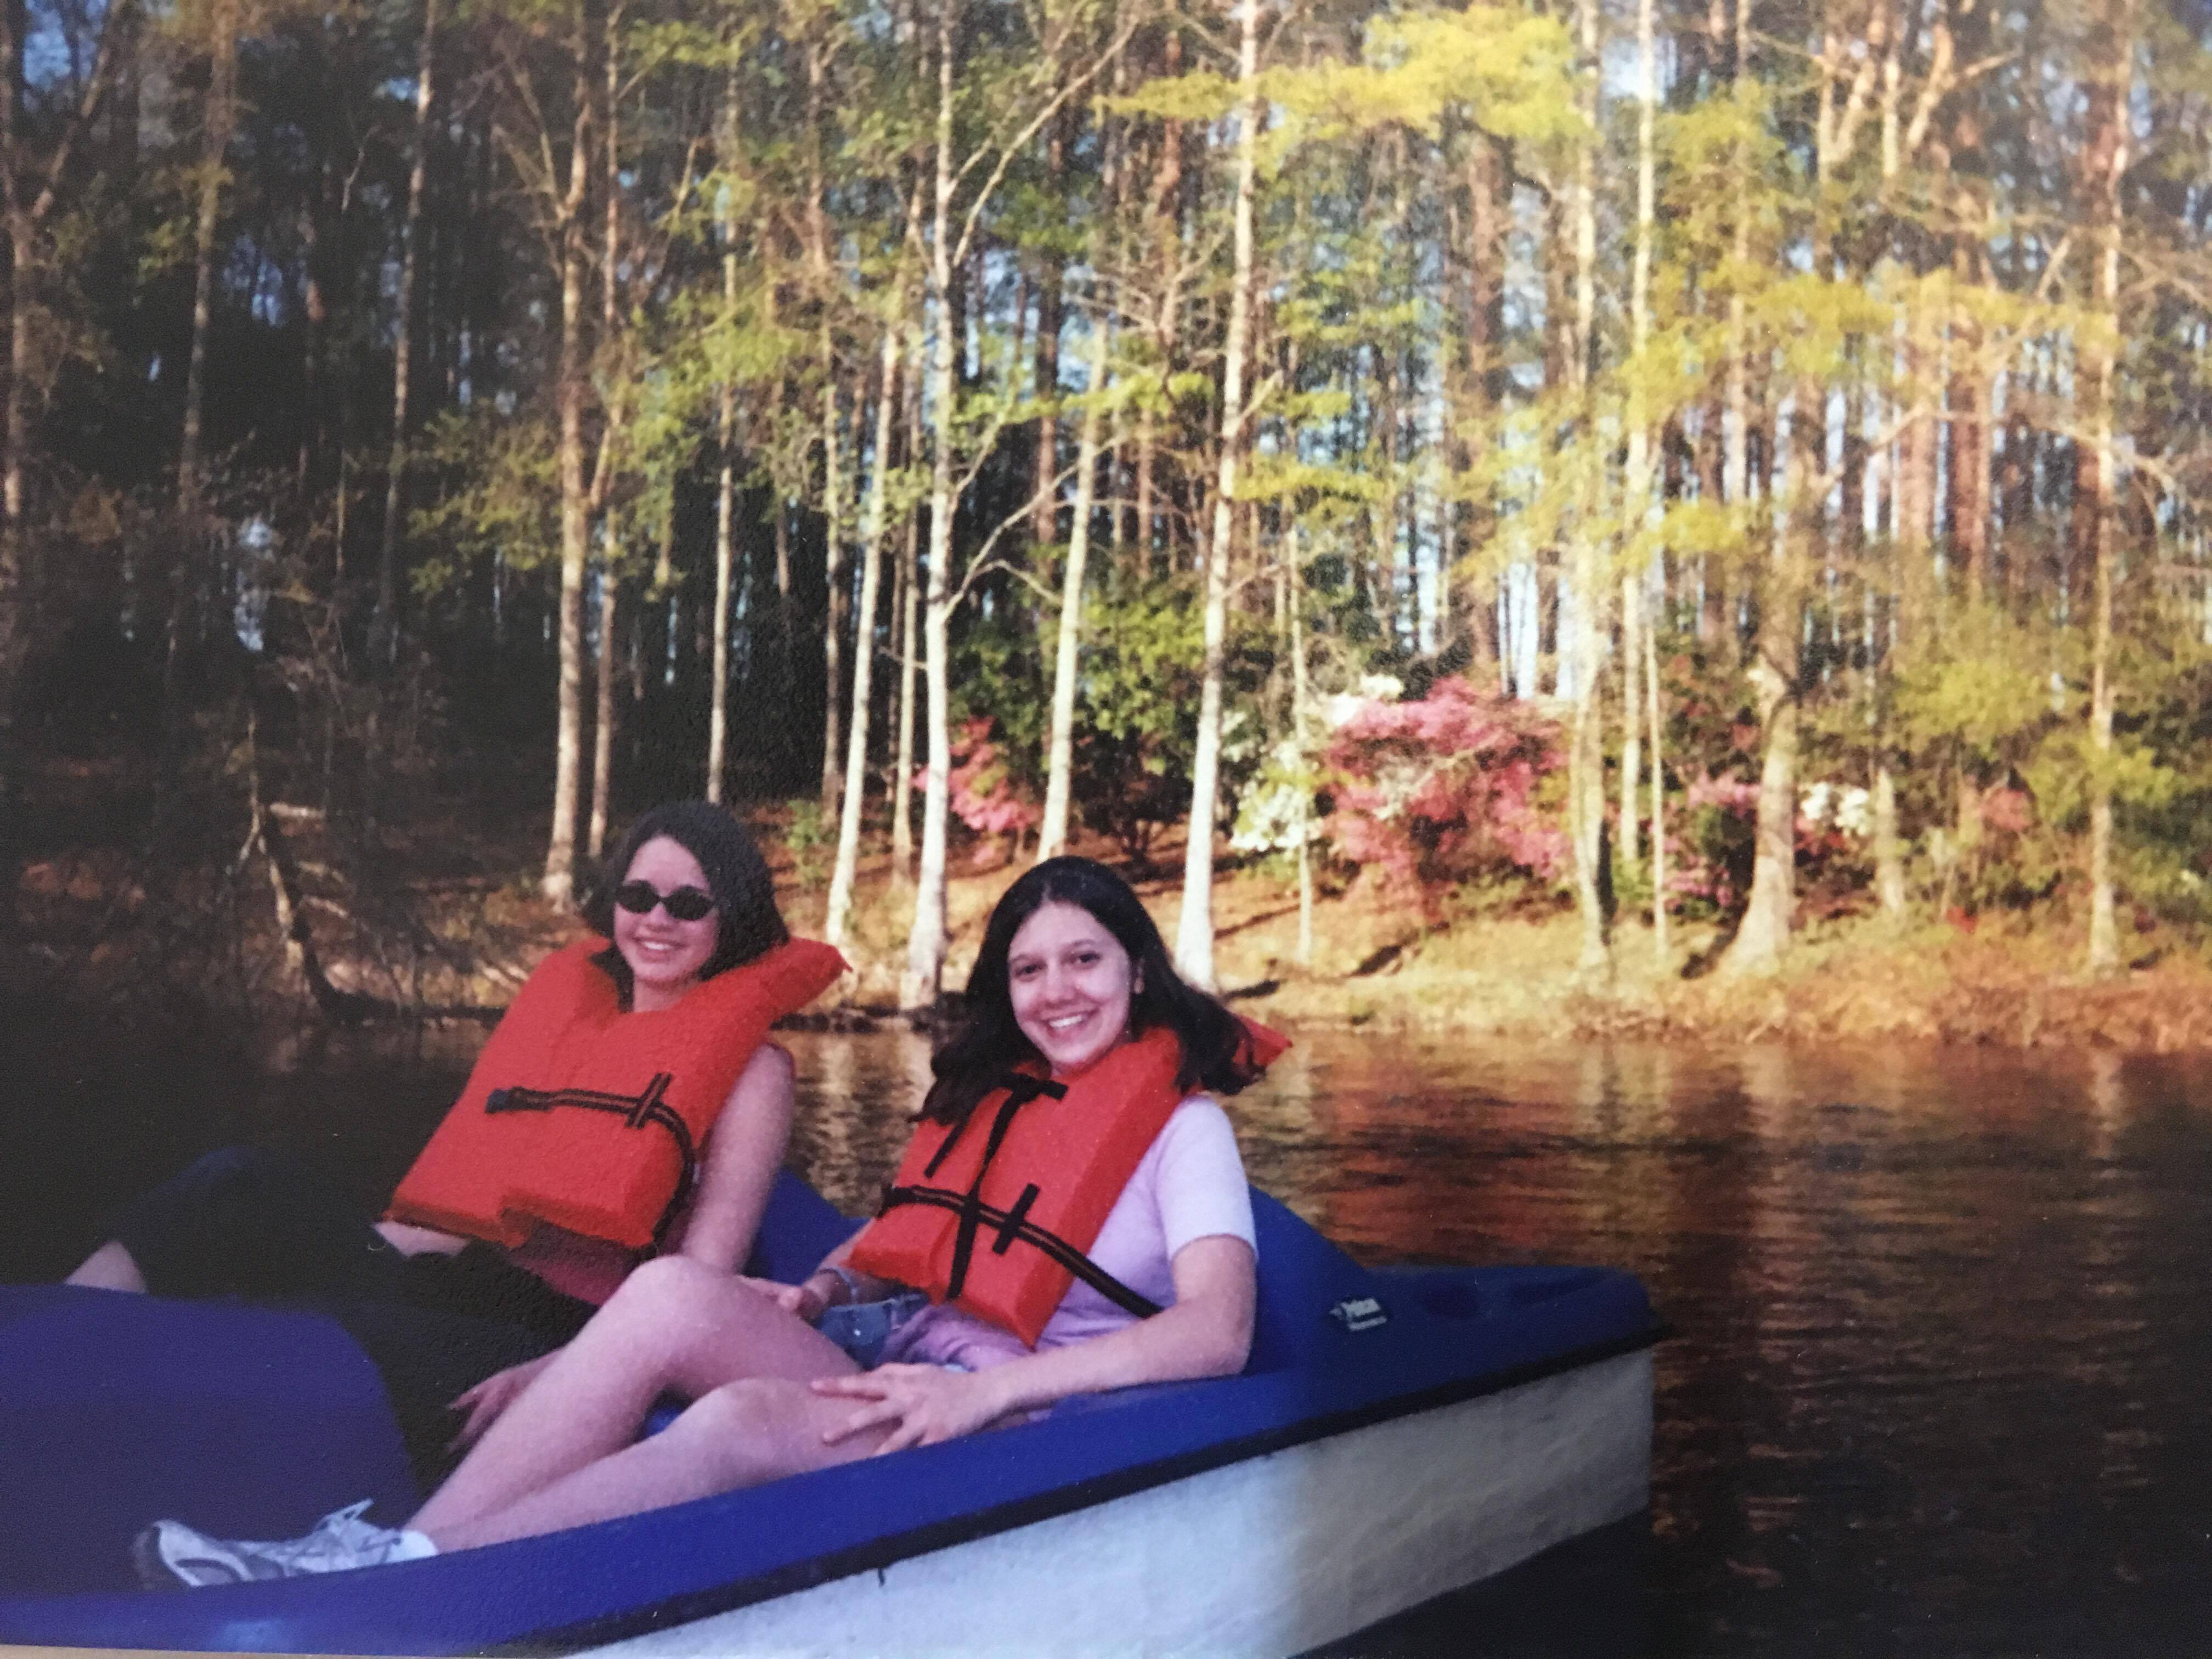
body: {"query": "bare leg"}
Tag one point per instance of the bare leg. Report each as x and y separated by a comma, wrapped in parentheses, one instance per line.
(410, 1240)
(740, 1435)
(110, 1268)
(673, 1327)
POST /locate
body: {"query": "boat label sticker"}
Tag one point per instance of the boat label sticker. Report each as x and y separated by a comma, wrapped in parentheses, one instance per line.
(1360, 1313)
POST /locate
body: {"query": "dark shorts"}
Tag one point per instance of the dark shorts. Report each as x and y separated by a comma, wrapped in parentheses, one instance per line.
(262, 1227)
(863, 1329)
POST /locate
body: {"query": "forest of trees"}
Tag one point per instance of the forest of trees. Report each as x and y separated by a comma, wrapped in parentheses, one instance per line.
(1735, 456)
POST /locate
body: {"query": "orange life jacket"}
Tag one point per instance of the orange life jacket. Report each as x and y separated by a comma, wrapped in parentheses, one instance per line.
(589, 1118)
(995, 1214)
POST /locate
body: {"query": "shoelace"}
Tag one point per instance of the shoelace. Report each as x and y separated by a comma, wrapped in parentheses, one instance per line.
(340, 1539)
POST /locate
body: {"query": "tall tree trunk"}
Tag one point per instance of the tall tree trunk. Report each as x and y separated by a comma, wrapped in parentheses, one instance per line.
(1637, 483)
(571, 388)
(221, 116)
(603, 723)
(1916, 456)
(2105, 167)
(1763, 935)
(1735, 463)
(1301, 729)
(609, 450)
(1586, 751)
(192, 528)
(1971, 442)
(1628, 847)
(1661, 946)
(1488, 217)
(1888, 848)
(847, 873)
(926, 941)
(1910, 489)
(908, 632)
(1044, 526)
(833, 494)
(725, 514)
(1060, 765)
(14, 431)
(1968, 24)
(384, 632)
(1167, 197)
(1195, 926)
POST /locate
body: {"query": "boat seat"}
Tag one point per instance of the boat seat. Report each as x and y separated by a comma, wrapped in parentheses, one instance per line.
(1302, 1278)
(117, 1410)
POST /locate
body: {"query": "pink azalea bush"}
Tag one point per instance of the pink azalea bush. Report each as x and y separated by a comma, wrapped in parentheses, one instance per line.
(1437, 793)
(985, 795)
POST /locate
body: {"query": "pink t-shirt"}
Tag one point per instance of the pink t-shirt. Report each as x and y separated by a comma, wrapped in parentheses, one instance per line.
(1189, 1184)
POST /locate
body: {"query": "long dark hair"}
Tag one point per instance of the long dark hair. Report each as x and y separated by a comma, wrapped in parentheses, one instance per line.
(988, 1044)
(746, 920)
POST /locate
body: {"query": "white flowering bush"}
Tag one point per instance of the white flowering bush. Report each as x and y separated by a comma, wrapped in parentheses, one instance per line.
(1848, 808)
(1275, 813)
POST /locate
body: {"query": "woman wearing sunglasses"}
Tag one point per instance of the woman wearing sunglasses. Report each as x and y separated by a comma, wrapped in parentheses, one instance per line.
(521, 1216)
(1078, 1080)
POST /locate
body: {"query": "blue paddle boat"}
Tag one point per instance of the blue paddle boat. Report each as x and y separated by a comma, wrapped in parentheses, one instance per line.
(1398, 1434)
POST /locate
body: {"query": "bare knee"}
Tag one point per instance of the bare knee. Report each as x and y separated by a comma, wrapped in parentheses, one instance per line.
(659, 1293)
(675, 1307)
(667, 1276)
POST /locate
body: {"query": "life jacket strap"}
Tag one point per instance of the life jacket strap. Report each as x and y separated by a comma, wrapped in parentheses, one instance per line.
(1021, 1088)
(1011, 1228)
(1014, 1225)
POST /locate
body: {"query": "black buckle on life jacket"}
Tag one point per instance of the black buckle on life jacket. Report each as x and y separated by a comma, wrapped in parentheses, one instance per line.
(1011, 1227)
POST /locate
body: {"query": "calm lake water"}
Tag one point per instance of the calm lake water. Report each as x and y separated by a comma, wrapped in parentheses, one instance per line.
(1939, 1385)
(1939, 1380)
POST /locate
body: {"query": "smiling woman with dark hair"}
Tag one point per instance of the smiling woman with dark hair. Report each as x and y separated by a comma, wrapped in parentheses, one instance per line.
(491, 1256)
(1120, 1251)
(732, 874)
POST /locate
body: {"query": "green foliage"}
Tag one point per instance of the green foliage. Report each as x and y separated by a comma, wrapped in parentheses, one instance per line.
(999, 676)
(504, 498)
(1137, 726)
(1988, 706)
(808, 836)
(1395, 400)
(1509, 70)
(1202, 95)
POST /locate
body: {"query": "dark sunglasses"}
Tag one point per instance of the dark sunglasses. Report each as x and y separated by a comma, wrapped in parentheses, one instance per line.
(686, 903)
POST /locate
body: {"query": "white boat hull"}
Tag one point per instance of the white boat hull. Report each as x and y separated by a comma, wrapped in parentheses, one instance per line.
(1272, 1555)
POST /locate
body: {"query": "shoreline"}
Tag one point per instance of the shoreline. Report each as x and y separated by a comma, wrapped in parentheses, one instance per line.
(2010, 980)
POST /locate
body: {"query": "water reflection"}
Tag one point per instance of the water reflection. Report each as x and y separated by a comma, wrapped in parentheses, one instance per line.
(1936, 1384)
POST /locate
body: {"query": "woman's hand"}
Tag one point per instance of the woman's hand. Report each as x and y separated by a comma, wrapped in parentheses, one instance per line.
(805, 1301)
(484, 1402)
(924, 1403)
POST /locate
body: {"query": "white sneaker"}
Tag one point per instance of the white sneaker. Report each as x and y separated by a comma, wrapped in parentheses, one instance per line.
(169, 1552)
